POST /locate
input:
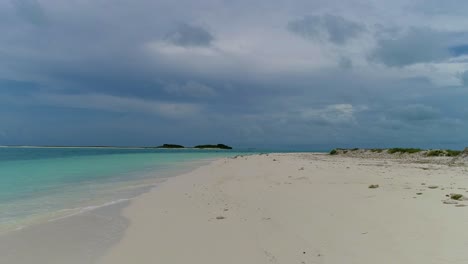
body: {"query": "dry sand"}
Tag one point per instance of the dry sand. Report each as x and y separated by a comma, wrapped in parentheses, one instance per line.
(300, 208)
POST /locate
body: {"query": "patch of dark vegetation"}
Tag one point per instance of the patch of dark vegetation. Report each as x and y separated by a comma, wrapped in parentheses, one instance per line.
(443, 153)
(333, 152)
(453, 153)
(218, 146)
(435, 153)
(373, 186)
(171, 146)
(377, 150)
(404, 150)
(456, 196)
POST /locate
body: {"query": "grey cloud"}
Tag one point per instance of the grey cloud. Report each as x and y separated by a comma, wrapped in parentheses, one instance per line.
(186, 35)
(417, 45)
(345, 63)
(437, 7)
(92, 65)
(190, 89)
(335, 29)
(464, 78)
(30, 10)
(415, 112)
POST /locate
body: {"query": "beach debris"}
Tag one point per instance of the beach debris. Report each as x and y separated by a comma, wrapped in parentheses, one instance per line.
(301, 168)
(373, 186)
(419, 193)
(274, 159)
(225, 209)
(423, 183)
(456, 196)
(220, 217)
(460, 205)
(432, 186)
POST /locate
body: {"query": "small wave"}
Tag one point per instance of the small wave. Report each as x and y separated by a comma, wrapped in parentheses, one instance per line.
(81, 210)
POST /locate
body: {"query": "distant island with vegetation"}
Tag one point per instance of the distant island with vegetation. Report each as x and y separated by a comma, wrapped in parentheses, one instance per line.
(171, 146)
(175, 146)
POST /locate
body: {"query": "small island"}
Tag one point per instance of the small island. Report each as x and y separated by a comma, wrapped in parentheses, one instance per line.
(208, 146)
(218, 146)
(171, 146)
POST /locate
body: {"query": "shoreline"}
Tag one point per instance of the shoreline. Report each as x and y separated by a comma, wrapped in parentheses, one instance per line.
(299, 208)
(90, 231)
(128, 191)
(267, 208)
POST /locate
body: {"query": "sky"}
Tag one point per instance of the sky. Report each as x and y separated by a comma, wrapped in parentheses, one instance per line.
(257, 73)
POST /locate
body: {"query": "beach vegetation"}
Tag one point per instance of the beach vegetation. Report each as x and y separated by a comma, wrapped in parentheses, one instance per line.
(443, 153)
(435, 153)
(373, 186)
(376, 150)
(453, 153)
(456, 196)
(404, 150)
(333, 152)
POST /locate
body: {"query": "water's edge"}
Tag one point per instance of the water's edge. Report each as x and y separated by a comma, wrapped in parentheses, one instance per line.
(78, 238)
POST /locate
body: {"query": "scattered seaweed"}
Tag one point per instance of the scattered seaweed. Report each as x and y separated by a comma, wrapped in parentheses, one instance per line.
(456, 196)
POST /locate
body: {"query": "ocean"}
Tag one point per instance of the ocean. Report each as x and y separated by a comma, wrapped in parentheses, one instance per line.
(43, 184)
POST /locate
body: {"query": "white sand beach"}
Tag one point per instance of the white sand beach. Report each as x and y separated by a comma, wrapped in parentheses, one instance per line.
(300, 208)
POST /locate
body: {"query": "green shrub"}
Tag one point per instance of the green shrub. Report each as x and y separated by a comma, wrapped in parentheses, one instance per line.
(436, 153)
(377, 150)
(333, 152)
(439, 153)
(453, 153)
(404, 150)
(456, 196)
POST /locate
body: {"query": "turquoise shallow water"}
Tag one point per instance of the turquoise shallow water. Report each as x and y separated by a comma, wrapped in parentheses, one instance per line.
(39, 184)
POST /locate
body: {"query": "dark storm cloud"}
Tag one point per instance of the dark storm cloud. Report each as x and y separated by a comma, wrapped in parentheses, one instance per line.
(464, 78)
(335, 29)
(30, 10)
(146, 72)
(418, 45)
(415, 46)
(415, 112)
(186, 35)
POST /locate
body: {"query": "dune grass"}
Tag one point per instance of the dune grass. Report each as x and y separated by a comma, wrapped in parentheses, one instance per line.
(443, 153)
(404, 150)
